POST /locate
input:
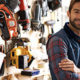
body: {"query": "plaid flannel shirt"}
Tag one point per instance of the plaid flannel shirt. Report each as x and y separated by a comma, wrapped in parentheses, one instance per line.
(57, 50)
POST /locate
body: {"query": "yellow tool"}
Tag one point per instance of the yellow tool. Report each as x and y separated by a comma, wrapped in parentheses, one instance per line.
(20, 57)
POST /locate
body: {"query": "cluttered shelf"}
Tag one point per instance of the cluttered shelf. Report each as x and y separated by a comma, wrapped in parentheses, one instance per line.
(40, 76)
(39, 62)
(41, 73)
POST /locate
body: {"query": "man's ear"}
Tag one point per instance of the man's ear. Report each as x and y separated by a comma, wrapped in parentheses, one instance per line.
(68, 13)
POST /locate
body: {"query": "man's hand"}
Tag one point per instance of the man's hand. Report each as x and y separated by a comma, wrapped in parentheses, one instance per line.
(68, 65)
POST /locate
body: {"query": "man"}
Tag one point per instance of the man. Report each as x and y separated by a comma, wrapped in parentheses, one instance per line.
(63, 48)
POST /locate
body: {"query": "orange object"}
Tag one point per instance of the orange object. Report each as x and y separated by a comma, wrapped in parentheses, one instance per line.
(24, 15)
(11, 25)
(16, 52)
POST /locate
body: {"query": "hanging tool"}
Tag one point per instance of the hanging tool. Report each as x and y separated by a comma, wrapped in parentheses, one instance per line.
(50, 26)
(41, 8)
(44, 7)
(36, 20)
(54, 4)
(42, 39)
(24, 15)
(8, 24)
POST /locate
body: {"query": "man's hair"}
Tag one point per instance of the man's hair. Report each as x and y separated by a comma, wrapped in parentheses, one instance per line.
(72, 4)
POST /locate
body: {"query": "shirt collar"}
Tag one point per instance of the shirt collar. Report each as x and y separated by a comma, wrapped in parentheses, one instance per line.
(70, 33)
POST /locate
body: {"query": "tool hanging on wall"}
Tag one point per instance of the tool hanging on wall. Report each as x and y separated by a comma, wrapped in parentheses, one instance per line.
(36, 19)
(50, 26)
(24, 15)
(40, 10)
(44, 7)
(42, 39)
(54, 4)
(8, 24)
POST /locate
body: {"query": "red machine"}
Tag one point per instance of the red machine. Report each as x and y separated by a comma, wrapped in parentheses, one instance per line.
(24, 15)
(8, 23)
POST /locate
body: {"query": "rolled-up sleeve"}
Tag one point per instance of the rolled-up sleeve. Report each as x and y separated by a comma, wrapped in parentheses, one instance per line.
(57, 50)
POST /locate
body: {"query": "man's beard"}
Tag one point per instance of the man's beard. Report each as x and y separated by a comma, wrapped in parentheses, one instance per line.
(74, 24)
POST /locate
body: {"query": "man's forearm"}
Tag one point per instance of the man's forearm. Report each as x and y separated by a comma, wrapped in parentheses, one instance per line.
(68, 65)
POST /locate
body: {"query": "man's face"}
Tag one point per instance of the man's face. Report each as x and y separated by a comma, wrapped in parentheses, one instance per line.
(74, 16)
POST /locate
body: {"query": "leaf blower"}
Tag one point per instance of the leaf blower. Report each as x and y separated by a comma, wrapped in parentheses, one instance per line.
(8, 23)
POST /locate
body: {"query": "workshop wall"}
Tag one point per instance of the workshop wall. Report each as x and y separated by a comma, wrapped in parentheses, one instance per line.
(35, 40)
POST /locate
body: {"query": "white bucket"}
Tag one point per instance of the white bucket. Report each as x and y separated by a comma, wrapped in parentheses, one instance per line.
(2, 55)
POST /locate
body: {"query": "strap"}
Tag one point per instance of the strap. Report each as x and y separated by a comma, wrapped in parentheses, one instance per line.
(3, 7)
